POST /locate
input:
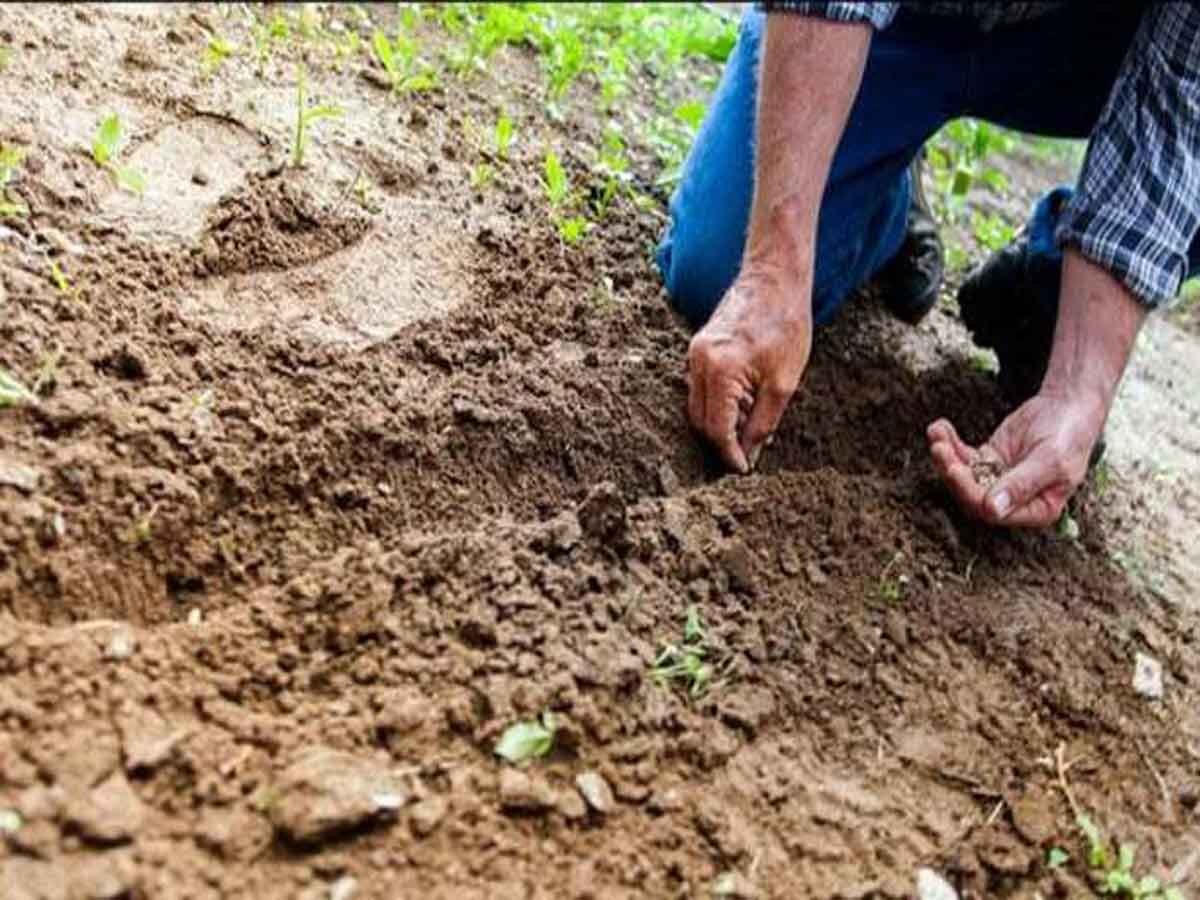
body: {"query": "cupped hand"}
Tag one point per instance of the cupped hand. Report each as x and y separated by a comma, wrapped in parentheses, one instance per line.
(747, 361)
(1037, 458)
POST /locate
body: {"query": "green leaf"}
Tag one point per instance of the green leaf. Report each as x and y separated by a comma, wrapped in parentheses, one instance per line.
(693, 628)
(1056, 857)
(12, 210)
(556, 180)
(961, 183)
(1148, 885)
(104, 147)
(130, 179)
(1097, 852)
(1173, 893)
(504, 135)
(321, 112)
(383, 50)
(691, 113)
(572, 230)
(1125, 857)
(526, 740)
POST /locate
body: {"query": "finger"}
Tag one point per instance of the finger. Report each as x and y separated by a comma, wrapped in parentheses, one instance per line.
(943, 431)
(720, 419)
(768, 409)
(1017, 497)
(958, 477)
(696, 386)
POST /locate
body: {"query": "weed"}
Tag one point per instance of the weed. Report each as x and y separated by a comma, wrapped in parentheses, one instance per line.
(362, 194)
(503, 136)
(524, 741)
(1066, 527)
(1057, 857)
(104, 151)
(481, 176)
(399, 60)
(10, 160)
(685, 663)
(573, 230)
(215, 54)
(555, 182)
(958, 157)
(985, 361)
(991, 231)
(13, 392)
(306, 116)
(143, 529)
(1115, 875)
(892, 589)
(1101, 477)
(60, 281)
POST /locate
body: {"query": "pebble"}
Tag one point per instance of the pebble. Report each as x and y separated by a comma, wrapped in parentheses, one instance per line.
(668, 481)
(200, 177)
(520, 793)
(734, 886)
(120, 646)
(427, 815)
(325, 792)
(344, 888)
(1148, 677)
(596, 792)
(932, 886)
(23, 478)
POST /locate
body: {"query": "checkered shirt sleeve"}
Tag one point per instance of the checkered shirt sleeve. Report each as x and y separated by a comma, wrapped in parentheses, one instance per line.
(879, 15)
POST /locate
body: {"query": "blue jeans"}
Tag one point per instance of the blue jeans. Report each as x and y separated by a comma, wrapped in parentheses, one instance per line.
(1051, 76)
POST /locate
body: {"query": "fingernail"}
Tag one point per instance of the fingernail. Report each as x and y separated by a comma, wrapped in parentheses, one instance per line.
(1001, 504)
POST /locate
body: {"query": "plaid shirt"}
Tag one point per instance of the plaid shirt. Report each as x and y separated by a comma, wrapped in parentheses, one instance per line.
(1136, 208)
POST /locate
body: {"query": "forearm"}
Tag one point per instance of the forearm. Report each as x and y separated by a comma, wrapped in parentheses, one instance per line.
(810, 74)
(1098, 324)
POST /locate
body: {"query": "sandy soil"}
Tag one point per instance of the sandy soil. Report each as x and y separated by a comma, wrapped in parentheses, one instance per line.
(324, 495)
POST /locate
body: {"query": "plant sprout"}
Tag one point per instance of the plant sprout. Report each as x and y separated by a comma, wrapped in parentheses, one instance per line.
(10, 159)
(527, 740)
(104, 152)
(306, 116)
(685, 663)
(504, 136)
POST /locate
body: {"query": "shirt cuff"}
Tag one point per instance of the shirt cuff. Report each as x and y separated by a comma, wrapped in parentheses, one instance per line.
(879, 15)
(1150, 268)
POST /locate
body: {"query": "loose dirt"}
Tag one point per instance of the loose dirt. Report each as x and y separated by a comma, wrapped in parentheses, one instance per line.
(325, 495)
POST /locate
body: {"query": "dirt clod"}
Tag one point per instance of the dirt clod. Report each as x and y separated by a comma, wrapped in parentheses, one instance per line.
(109, 813)
(595, 791)
(522, 793)
(987, 472)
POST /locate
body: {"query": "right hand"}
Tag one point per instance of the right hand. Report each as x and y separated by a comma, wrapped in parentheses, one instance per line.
(747, 361)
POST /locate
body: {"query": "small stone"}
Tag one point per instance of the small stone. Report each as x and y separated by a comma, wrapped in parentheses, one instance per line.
(120, 646)
(427, 815)
(932, 886)
(195, 616)
(110, 813)
(23, 478)
(344, 888)
(200, 177)
(234, 834)
(10, 821)
(147, 740)
(103, 877)
(521, 794)
(734, 886)
(1148, 677)
(896, 629)
(571, 806)
(326, 792)
(1189, 796)
(662, 802)
(596, 792)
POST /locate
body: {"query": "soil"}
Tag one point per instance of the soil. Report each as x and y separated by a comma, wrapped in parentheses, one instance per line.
(322, 497)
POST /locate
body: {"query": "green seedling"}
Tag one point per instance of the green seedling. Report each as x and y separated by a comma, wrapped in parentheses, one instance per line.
(555, 183)
(573, 230)
(503, 136)
(104, 152)
(13, 392)
(985, 361)
(991, 231)
(1057, 857)
(959, 157)
(892, 588)
(1066, 527)
(215, 54)
(527, 740)
(60, 281)
(399, 60)
(143, 529)
(5, 58)
(306, 116)
(481, 176)
(10, 160)
(362, 194)
(1115, 876)
(685, 663)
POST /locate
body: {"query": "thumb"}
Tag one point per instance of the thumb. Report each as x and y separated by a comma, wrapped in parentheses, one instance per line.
(769, 406)
(1017, 499)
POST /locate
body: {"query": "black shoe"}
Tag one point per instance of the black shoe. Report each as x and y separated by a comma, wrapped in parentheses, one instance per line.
(1010, 304)
(910, 280)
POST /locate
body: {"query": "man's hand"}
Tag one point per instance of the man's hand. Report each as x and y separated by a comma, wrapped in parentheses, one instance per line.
(1042, 449)
(746, 363)
(1040, 454)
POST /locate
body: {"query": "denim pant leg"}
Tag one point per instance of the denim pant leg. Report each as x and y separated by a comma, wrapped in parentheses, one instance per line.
(911, 85)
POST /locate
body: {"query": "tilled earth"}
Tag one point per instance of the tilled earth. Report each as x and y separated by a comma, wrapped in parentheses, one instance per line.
(324, 494)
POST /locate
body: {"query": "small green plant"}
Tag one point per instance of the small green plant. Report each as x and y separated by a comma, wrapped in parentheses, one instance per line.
(685, 663)
(503, 136)
(555, 182)
(1114, 876)
(573, 230)
(104, 152)
(306, 116)
(985, 361)
(959, 157)
(13, 392)
(524, 741)
(215, 53)
(991, 231)
(481, 176)
(399, 60)
(10, 160)
(892, 588)
(1057, 857)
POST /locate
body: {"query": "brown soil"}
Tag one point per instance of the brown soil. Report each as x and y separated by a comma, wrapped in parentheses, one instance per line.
(312, 476)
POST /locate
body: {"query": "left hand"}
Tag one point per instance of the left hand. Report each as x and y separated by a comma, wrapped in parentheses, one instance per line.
(1042, 450)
